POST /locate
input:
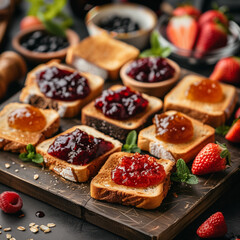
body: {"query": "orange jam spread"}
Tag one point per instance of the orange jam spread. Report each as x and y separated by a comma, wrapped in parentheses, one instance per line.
(27, 118)
(174, 128)
(205, 90)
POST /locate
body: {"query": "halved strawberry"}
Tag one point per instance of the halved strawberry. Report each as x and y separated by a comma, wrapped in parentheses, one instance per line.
(182, 31)
(233, 134)
(212, 35)
(227, 70)
(186, 9)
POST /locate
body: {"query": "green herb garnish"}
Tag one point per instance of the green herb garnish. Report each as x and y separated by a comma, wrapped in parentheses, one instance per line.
(156, 49)
(223, 130)
(183, 173)
(130, 145)
(31, 155)
(51, 15)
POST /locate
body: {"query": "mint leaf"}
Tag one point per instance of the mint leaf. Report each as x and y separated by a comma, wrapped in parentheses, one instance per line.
(130, 145)
(183, 174)
(131, 138)
(192, 179)
(30, 148)
(156, 49)
(38, 158)
(23, 157)
(31, 155)
(222, 130)
(154, 41)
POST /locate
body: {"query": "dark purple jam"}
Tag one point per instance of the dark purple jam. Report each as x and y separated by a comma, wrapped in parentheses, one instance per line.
(150, 69)
(42, 42)
(61, 84)
(121, 104)
(119, 24)
(78, 147)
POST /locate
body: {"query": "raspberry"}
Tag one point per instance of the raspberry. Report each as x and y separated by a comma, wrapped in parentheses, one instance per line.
(10, 202)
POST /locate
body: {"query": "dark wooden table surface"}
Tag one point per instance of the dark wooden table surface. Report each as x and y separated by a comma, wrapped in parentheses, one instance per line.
(69, 227)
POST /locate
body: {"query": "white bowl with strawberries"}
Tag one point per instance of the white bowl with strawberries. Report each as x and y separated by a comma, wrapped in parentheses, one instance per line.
(199, 37)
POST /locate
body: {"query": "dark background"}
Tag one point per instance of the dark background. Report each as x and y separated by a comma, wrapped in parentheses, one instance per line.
(69, 227)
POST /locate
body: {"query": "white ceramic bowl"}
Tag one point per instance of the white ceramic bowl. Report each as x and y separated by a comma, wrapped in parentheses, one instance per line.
(144, 16)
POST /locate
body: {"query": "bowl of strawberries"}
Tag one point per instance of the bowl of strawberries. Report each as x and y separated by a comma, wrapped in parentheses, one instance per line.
(198, 38)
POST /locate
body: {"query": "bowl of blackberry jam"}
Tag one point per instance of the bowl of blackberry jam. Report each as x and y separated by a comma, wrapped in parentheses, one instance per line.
(128, 22)
(38, 45)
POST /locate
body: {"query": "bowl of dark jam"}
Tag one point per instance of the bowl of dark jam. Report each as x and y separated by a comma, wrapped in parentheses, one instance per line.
(151, 75)
(38, 45)
(128, 22)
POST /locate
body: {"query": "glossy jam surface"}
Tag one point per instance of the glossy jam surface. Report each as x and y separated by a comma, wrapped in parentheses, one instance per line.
(61, 84)
(78, 147)
(43, 42)
(205, 90)
(139, 171)
(150, 69)
(27, 118)
(119, 24)
(173, 128)
(121, 104)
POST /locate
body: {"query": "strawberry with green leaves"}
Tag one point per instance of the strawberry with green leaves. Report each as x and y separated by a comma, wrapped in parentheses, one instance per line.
(215, 226)
(227, 70)
(212, 158)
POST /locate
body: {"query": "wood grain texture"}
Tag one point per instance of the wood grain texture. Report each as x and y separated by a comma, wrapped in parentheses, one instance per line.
(182, 205)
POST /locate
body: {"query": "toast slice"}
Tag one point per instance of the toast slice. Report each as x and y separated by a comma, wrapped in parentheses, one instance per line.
(31, 93)
(76, 173)
(202, 134)
(214, 114)
(16, 140)
(104, 188)
(119, 128)
(101, 55)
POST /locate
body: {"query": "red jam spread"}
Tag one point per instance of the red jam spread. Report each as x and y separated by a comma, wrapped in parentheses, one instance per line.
(205, 90)
(150, 69)
(61, 84)
(78, 147)
(173, 128)
(27, 118)
(121, 104)
(139, 171)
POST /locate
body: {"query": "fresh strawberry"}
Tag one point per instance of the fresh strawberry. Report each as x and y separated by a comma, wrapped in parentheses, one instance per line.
(186, 9)
(237, 113)
(182, 31)
(215, 226)
(227, 70)
(212, 36)
(10, 202)
(233, 134)
(213, 16)
(212, 158)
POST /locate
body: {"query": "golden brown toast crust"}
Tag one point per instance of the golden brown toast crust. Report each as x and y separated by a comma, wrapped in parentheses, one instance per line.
(213, 114)
(105, 52)
(103, 188)
(72, 172)
(119, 128)
(16, 140)
(203, 134)
(32, 95)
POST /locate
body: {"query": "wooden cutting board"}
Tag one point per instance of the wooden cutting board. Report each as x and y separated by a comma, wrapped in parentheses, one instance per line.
(182, 205)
